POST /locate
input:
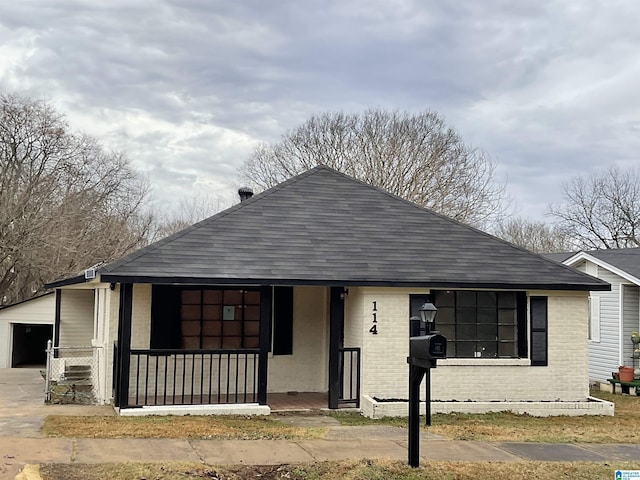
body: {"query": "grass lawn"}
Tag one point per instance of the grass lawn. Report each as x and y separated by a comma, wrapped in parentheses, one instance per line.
(347, 470)
(509, 427)
(207, 427)
(491, 427)
(497, 427)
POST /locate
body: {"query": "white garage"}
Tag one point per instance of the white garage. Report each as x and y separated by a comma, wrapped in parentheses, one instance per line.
(25, 328)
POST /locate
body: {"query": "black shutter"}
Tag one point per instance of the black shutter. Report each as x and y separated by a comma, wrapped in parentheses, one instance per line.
(165, 317)
(523, 342)
(283, 320)
(538, 331)
(417, 327)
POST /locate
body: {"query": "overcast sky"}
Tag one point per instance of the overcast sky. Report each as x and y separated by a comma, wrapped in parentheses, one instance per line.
(548, 88)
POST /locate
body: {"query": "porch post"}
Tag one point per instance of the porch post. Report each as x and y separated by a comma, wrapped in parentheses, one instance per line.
(336, 326)
(56, 322)
(124, 343)
(265, 340)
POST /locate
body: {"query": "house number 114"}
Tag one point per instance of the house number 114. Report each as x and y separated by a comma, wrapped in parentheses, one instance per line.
(374, 313)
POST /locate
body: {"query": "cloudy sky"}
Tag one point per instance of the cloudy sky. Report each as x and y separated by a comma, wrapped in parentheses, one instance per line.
(549, 89)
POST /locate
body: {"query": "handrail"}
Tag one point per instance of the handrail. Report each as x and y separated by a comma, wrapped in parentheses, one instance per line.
(188, 377)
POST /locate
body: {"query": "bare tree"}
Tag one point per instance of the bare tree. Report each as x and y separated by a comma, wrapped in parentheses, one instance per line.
(65, 202)
(190, 210)
(535, 236)
(415, 156)
(602, 210)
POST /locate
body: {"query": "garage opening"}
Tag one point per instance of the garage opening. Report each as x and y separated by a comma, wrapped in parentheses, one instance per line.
(30, 344)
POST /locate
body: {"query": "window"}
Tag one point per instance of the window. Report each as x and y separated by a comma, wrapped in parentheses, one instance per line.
(217, 318)
(482, 324)
(204, 318)
(195, 318)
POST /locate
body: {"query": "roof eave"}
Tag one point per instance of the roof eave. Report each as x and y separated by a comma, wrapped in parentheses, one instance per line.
(115, 278)
(573, 260)
(67, 281)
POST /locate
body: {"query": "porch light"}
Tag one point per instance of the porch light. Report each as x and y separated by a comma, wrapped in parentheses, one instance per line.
(428, 312)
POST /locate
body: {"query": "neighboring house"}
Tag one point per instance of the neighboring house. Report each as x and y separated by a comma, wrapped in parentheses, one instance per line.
(308, 287)
(25, 328)
(614, 314)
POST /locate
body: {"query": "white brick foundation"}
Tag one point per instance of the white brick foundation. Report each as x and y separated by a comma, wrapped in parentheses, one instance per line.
(592, 406)
(227, 409)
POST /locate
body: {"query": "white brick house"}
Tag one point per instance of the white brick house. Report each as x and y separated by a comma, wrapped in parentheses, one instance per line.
(309, 286)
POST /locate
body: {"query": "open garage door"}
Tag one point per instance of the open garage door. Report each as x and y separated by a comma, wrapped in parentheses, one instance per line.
(30, 344)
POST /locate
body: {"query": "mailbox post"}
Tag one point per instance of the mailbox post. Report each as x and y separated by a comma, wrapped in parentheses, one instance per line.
(424, 351)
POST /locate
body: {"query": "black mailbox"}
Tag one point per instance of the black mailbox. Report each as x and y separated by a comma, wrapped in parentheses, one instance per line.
(428, 347)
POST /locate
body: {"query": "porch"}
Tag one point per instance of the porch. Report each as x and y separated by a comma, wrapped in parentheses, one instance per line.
(225, 377)
(263, 348)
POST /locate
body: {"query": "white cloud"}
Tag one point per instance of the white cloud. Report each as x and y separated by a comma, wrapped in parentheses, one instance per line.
(188, 87)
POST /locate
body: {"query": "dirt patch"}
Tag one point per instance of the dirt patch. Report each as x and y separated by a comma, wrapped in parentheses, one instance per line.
(347, 470)
(176, 471)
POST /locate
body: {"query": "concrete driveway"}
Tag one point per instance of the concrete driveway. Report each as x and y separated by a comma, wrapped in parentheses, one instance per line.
(22, 412)
(22, 407)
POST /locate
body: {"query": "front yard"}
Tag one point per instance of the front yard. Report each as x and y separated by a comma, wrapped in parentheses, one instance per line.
(495, 427)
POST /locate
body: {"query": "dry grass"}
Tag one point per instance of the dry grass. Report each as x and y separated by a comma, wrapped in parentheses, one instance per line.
(207, 427)
(347, 470)
(494, 427)
(509, 427)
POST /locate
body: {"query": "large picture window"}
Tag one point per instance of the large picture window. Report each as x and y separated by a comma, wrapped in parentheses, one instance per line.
(210, 318)
(482, 324)
(195, 318)
(217, 318)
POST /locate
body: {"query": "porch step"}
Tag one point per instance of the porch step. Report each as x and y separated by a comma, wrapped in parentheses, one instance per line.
(77, 372)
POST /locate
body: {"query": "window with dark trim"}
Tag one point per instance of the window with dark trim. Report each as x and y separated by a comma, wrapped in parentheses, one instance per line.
(482, 324)
(219, 318)
(204, 318)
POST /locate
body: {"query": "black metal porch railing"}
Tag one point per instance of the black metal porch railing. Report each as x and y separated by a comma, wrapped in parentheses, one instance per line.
(350, 376)
(193, 377)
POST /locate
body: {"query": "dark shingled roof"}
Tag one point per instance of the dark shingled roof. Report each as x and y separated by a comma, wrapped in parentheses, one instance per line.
(626, 259)
(559, 257)
(325, 228)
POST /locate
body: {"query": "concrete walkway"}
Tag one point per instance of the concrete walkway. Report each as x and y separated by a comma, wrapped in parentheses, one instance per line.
(17, 451)
(21, 442)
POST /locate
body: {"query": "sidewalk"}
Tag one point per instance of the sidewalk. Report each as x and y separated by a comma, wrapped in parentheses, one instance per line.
(17, 451)
(341, 443)
(21, 442)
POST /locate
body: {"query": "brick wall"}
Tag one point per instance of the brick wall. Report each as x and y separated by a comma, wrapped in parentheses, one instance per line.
(385, 369)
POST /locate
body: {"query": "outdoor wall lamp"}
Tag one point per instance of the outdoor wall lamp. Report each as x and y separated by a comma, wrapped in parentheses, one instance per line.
(428, 315)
